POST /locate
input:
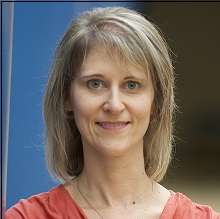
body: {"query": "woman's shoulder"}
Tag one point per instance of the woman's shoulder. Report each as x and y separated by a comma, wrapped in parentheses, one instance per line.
(55, 203)
(180, 206)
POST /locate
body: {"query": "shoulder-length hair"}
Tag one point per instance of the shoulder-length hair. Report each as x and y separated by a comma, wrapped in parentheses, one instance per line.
(139, 43)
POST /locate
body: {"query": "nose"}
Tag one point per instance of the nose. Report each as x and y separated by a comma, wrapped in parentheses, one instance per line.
(114, 103)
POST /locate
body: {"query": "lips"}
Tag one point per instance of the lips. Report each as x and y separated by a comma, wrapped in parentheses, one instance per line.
(112, 125)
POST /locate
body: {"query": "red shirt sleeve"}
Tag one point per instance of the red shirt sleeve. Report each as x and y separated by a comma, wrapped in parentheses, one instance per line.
(56, 203)
(181, 207)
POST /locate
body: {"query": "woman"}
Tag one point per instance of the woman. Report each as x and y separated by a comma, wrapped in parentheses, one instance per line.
(109, 107)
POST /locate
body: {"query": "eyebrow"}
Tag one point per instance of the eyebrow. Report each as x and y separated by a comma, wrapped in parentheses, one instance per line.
(102, 76)
(92, 75)
(132, 77)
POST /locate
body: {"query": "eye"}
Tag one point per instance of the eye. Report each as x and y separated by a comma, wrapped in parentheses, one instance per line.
(95, 84)
(132, 85)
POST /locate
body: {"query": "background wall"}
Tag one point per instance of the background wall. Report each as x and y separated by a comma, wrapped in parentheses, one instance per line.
(38, 26)
(192, 30)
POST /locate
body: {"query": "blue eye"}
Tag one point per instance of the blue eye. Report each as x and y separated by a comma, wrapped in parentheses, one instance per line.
(131, 85)
(94, 84)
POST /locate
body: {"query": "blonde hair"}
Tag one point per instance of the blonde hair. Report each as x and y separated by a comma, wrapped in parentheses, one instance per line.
(137, 41)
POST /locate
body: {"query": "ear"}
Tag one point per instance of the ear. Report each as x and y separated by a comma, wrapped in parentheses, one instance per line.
(68, 106)
(153, 110)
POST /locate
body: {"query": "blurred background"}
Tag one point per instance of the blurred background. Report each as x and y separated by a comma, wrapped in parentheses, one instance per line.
(192, 29)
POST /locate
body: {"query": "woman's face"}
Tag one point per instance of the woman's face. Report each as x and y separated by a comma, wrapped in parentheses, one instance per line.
(111, 103)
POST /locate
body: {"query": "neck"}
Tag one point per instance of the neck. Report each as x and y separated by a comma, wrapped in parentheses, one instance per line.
(115, 180)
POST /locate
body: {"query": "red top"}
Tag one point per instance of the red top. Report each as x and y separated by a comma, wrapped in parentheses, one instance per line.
(58, 204)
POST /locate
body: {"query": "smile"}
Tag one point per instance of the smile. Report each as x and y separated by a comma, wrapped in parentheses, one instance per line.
(112, 125)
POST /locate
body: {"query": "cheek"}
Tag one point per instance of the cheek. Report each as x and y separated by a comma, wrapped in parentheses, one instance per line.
(80, 107)
(81, 113)
(83, 107)
(144, 107)
(143, 113)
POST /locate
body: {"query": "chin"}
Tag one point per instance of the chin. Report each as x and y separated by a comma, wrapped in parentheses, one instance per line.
(115, 150)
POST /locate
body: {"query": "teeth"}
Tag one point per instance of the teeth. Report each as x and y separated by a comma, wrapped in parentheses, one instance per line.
(111, 124)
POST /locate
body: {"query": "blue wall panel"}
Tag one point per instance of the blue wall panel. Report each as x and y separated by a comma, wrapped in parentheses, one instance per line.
(38, 26)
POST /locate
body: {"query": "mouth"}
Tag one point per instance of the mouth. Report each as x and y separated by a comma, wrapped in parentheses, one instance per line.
(112, 125)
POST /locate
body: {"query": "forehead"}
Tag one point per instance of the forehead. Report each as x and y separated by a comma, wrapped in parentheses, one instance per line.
(101, 56)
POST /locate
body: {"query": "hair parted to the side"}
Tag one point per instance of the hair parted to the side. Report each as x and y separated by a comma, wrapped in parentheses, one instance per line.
(139, 43)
